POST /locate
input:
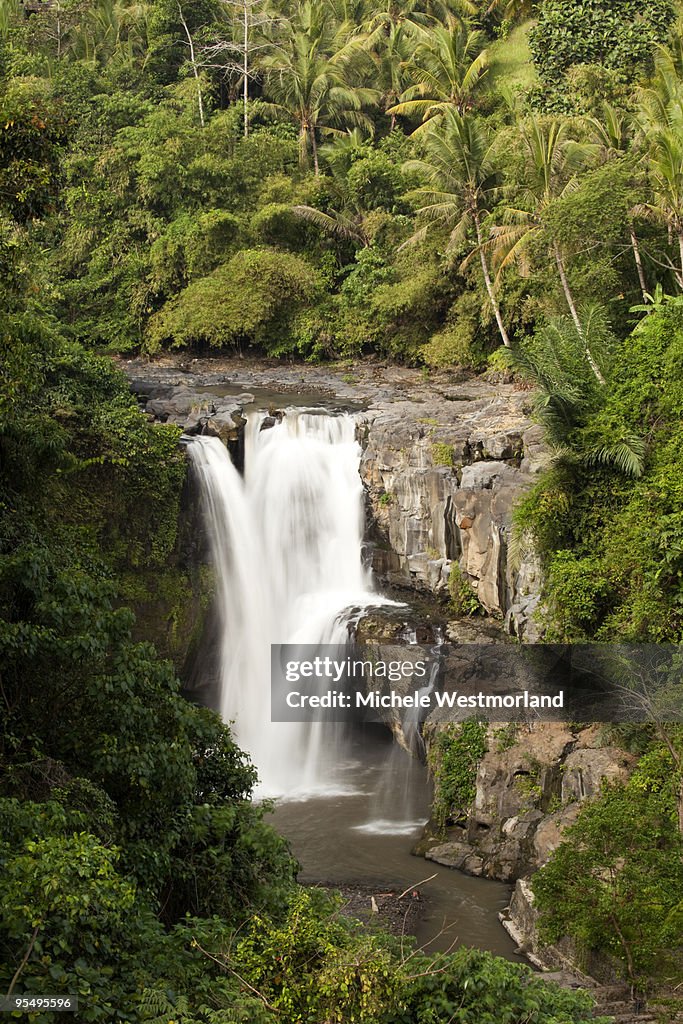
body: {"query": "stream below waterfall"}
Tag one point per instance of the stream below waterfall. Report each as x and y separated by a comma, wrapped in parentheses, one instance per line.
(366, 836)
(287, 544)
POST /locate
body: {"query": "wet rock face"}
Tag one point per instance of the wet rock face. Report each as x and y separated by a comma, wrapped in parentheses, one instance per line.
(529, 788)
(443, 475)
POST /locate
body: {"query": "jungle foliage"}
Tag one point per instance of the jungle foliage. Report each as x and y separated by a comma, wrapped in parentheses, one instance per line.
(317, 180)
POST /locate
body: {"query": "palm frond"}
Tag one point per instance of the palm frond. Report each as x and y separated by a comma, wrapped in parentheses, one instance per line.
(626, 455)
(417, 237)
(334, 224)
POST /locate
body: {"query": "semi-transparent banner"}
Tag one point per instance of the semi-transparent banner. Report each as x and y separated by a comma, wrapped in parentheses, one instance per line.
(494, 682)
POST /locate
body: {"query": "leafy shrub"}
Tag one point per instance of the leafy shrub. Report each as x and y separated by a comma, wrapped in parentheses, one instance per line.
(375, 182)
(277, 224)
(500, 361)
(32, 129)
(451, 347)
(614, 883)
(247, 301)
(456, 345)
(580, 594)
(193, 245)
(619, 34)
(464, 600)
(442, 454)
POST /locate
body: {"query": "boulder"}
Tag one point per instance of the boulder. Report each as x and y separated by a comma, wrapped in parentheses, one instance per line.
(225, 423)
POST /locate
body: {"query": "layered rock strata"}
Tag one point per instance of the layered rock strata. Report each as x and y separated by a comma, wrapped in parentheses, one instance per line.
(443, 477)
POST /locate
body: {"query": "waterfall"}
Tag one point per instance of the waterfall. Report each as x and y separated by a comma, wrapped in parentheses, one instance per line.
(286, 545)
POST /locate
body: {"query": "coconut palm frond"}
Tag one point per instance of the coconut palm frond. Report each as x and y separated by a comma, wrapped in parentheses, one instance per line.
(417, 237)
(334, 223)
(626, 455)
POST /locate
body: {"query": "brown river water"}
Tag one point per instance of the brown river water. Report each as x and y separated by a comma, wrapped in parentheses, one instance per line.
(365, 836)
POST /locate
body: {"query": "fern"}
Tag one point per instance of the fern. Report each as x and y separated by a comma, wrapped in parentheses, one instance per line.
(157, 1008)
(568, 397)
(161, 1007)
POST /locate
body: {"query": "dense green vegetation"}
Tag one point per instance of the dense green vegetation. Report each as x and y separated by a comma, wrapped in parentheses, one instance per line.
(616, 887)
(454, 757)
(130, 149)
(135, 871)
(435, 182)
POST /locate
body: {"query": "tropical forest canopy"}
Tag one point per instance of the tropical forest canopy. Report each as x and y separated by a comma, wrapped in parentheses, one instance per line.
(461, 185)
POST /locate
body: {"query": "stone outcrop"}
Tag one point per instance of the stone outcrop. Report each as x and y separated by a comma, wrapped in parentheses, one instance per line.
(443, 475)
(529, 788)
(196, 412)
(520, 920)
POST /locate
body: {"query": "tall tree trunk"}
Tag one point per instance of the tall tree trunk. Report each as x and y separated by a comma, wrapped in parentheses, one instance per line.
(303, 146)
(59, 31)
(245, 71)
(626, 946)
(639, 263)
(574, 312)
(200, 100)
(314, 148)
(567, 291)
(487, 282)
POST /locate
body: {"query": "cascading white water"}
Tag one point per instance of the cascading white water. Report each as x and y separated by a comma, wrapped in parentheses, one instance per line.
(287, 548)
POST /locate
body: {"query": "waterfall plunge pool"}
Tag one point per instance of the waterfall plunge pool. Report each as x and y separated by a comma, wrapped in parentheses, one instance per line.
(365, 837)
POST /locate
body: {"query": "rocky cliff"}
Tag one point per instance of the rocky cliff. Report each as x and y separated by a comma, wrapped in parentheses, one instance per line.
(443, 472)
(443, 464)
(529, 787)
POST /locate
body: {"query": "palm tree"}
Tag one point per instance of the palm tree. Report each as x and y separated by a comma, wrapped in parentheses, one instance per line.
(112, 31)
(461, 171)
(11, 13)
(447, 70)
(665, 150)
(350, 12)
(660, 116)
(661, 102)
(552, 158)
(347, 222)
(510, 9)
(391, 51)
(612, 133)
(346, 216)
(307, 77)
(421, 12)
(567, 396)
